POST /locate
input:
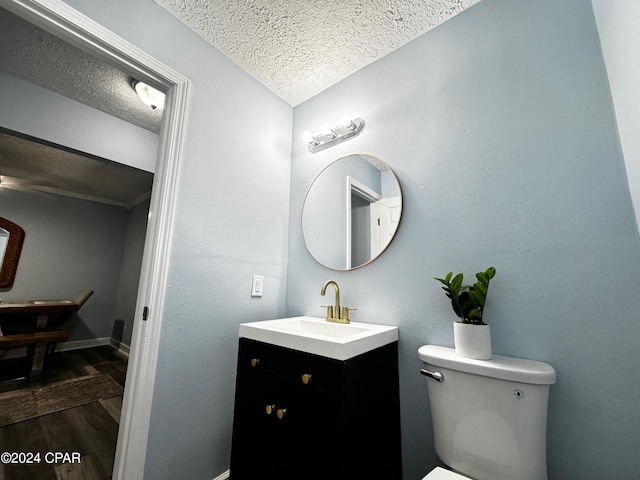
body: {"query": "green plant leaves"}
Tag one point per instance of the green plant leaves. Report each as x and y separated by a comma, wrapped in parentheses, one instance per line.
(468, 301)
(475, 314)
(456, 283)
(481, 287)
(477, 297)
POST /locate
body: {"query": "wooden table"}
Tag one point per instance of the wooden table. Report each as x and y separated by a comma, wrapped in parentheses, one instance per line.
(42, 310)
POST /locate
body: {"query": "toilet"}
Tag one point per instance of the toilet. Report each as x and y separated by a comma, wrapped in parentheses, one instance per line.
(489, 416)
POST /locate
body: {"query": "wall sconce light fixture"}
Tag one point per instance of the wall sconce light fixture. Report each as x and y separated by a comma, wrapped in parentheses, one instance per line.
(328, 137)
(149, 95)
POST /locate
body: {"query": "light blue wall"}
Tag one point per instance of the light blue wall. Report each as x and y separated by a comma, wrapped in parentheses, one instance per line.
(500, 127)
(135, 234)
(231, 222)
(70, 246)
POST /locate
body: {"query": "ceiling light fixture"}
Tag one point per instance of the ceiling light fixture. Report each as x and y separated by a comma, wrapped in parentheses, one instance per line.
(149, 95)
(328, 137)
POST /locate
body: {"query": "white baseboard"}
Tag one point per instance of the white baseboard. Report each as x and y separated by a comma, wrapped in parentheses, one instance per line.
(79, 344)
(122, 348)
(68, 346)
(223, 476)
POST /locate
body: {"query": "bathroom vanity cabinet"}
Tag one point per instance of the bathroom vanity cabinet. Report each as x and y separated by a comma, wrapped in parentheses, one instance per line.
(306, 417)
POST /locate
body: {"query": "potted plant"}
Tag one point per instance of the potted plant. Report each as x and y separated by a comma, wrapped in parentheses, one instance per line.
(472, 337)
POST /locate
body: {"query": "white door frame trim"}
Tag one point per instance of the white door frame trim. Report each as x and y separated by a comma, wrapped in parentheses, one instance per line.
(70, 25)
(355, 187)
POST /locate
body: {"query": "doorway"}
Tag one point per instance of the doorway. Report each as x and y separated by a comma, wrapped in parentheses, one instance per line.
(371, 221)
(61, 20)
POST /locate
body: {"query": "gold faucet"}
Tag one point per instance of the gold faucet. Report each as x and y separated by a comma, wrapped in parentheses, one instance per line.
(335, 313)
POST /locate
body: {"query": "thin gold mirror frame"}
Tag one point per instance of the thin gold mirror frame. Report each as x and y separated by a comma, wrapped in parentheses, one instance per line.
(12, 253)
(374, 160)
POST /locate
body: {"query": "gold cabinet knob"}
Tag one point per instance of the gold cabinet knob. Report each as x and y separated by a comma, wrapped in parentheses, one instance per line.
(306, 378)
(269, 409)
(281, 412)
(255, 361)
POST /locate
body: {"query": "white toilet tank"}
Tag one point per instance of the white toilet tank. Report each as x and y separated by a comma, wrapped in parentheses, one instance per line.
(489, 416)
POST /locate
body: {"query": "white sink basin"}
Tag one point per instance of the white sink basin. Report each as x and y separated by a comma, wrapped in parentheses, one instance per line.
(317, 336)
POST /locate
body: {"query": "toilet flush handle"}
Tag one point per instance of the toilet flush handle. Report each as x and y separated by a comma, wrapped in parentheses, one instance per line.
(435, 375)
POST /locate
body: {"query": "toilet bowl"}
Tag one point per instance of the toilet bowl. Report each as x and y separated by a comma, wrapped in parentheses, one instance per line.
(489, 416)
(440, 473)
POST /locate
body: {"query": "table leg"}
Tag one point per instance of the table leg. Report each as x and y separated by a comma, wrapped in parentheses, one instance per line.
(37, 362)
(39, 351)
(42, 320)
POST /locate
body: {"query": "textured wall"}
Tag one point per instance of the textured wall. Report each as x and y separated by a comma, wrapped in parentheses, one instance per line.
(500, 127)
(231, 222)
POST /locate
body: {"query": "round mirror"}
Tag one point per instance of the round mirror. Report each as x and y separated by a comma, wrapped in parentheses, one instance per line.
(11, 239)
(351, 212)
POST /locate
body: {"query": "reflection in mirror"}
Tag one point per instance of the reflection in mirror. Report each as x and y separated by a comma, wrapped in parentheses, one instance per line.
(4, 240)
(11, 239)
(351, 212)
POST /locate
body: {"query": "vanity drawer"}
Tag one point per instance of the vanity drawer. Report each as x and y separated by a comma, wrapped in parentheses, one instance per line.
(259, 359)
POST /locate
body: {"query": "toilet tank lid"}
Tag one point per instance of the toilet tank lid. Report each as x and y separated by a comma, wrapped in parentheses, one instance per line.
(503, 368)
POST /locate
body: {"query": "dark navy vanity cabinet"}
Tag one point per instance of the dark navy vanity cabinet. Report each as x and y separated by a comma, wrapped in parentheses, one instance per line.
(306, 417)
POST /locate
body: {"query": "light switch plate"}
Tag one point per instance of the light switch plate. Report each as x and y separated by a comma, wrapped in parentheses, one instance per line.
(257, 284)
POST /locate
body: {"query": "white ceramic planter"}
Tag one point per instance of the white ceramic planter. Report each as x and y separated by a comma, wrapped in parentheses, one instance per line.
(472, 341)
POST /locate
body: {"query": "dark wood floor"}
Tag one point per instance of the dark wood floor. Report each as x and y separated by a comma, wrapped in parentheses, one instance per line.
(91, 429)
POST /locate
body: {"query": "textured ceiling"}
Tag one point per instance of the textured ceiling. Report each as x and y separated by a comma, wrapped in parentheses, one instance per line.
(298, 48)
(27, 166)
(29, 53)
(34, 167)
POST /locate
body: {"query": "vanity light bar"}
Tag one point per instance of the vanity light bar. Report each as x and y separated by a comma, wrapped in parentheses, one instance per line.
(333, 136)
